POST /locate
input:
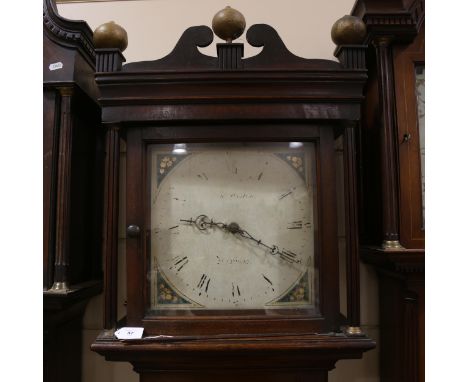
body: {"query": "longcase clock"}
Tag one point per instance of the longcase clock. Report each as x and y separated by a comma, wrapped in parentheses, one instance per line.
(73, 160)
(231, 208)
(391, 157)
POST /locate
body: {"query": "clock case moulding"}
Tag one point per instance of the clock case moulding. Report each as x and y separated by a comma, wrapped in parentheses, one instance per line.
(191, 97)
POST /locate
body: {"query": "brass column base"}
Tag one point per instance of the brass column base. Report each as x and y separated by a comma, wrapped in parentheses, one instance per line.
(354, 331)
(59, 287)
(107, 335)
(391, 244)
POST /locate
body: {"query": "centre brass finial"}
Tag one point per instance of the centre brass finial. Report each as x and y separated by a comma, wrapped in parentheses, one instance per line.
(228, 24)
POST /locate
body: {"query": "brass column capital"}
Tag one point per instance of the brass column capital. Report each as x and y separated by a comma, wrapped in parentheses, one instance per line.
(382, 41)
(66, 90)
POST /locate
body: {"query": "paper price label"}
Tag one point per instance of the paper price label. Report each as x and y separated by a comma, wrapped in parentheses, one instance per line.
(129, 333)
(55, 66)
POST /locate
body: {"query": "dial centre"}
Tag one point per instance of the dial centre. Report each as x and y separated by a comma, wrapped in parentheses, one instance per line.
(233, 227)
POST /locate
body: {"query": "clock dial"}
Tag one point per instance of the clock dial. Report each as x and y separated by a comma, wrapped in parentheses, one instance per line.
(232, 227)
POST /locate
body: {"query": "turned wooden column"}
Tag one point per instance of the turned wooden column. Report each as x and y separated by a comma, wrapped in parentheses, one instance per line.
(388, 147)
(62, 234)
(352, 231)
(110, 40)
(111, 218)
(352, 57)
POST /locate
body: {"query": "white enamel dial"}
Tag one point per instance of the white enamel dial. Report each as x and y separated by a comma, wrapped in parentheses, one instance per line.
(232, 227)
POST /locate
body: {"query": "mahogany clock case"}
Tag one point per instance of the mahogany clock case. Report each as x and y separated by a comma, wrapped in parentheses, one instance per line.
(272, 97)
(391, 157)
(73, 159)
(190, 98)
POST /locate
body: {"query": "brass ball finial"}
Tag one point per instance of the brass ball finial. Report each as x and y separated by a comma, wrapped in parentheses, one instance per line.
(110, 36)
(228, 24)
(349, 30)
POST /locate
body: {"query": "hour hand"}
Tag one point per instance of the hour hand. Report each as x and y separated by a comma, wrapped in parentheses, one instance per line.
(202, 222)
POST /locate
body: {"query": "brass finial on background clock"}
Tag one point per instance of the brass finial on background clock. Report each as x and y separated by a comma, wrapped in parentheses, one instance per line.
(349, 30)
(228, 24)
(110, 35)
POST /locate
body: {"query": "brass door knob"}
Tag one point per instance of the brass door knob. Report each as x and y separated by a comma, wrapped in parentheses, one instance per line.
(133, 230)
(406, 137)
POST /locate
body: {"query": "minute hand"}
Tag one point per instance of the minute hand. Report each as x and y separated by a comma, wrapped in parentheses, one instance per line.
(202, 222)
(288, 256)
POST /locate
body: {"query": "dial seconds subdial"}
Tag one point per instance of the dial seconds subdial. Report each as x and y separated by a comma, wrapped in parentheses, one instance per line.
(222, 233)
